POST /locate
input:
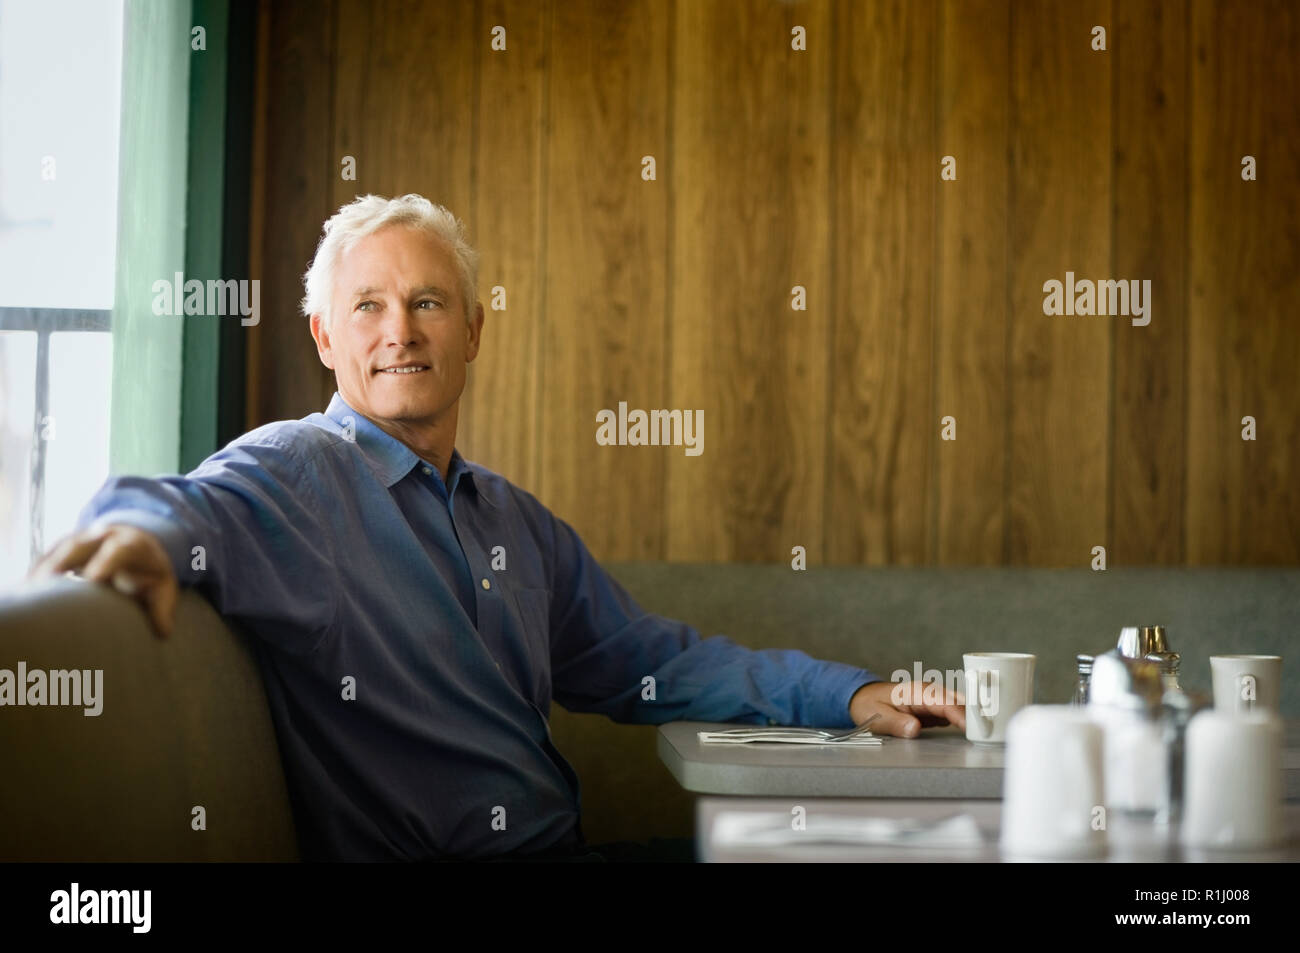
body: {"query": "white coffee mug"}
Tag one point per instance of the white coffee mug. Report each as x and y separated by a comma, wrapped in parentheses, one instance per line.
(1053, 785)
(1244, 683)
(1233, 791)
(998, 684)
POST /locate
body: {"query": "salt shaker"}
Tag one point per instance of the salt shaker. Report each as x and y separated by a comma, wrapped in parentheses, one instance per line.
(1084, 663)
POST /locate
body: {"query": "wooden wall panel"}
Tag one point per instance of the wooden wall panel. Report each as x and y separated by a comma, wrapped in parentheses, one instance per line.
(1243, 497)
(607, 281)
(291, 199)
(1060, 221)
(498, 421)
(821, 168)
(969, 518)
(1148, 406)
(749, 173)
(883, 427)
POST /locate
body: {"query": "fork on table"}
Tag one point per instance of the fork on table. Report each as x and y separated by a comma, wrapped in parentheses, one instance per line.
(777, 731)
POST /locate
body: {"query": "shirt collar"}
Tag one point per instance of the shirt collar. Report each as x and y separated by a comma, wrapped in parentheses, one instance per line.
(391, 459)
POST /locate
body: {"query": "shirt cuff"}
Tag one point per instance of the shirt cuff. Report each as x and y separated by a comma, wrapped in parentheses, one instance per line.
(831, 692)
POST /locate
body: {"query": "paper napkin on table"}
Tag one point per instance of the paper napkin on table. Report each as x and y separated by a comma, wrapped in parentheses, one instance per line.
(773, 829)
(783, 736)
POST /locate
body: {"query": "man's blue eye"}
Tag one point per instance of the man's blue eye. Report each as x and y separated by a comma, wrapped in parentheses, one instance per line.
(431, 301)
(362, 305)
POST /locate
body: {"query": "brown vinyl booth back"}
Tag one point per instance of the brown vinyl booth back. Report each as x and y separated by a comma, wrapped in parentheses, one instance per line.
(184, 725)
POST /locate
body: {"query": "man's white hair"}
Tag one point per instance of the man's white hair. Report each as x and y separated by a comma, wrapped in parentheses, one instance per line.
(366, 216)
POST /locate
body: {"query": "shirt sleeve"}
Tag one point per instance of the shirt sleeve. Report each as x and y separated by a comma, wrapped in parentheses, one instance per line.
(609, 656)
(247, 529)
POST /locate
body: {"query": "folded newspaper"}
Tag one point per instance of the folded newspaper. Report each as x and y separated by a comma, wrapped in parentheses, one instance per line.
(797, 736)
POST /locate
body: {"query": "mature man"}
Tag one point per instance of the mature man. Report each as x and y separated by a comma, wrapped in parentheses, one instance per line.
(409, 680)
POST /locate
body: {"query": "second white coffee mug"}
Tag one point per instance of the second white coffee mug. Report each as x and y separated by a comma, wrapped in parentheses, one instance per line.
(998, 684)
(1246, 683)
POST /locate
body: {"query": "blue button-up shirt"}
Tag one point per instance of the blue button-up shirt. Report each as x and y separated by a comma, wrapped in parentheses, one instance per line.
(412, 634)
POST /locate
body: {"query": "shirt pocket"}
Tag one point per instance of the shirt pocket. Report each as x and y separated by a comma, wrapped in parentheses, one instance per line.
(533, 607)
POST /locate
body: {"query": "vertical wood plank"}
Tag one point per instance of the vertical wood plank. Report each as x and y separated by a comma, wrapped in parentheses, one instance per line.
(498, 420)
(1060, 221)
(881, 405)
(750, 174)
(971, 282)
(1243, 498)
(607, 281)
(404, 101)
(1149, 46)
(286, 376)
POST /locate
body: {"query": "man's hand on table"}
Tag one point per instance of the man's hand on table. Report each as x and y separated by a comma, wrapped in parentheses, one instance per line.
(907, 707)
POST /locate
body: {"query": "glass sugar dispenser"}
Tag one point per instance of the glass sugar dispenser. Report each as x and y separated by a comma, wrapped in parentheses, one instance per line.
(1133, 691)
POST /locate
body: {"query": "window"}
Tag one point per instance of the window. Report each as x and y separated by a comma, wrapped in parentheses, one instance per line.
(60, 83)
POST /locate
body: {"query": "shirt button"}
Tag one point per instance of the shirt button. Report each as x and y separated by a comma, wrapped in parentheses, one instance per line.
(486, 584)
(427, 470)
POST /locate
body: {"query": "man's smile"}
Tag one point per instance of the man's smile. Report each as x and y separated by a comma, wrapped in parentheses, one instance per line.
(413, 368)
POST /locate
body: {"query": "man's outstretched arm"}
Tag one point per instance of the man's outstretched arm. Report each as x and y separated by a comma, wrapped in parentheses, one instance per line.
(246, 527)
(610, 656)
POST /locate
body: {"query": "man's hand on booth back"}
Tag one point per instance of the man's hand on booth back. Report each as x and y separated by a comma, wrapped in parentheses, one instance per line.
(129, 559)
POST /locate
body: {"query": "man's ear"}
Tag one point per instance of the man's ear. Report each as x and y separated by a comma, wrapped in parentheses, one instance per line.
(475, 333)
(322, 338)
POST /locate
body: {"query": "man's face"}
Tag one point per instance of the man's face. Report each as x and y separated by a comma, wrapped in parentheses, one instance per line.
(396, 302)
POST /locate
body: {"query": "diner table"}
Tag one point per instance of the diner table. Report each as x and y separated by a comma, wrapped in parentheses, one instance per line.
(1129, 839)
(940, 763)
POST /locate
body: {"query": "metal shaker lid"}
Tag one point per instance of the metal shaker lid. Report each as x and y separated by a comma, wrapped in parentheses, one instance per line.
(1156, 639)
(1139, 642)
